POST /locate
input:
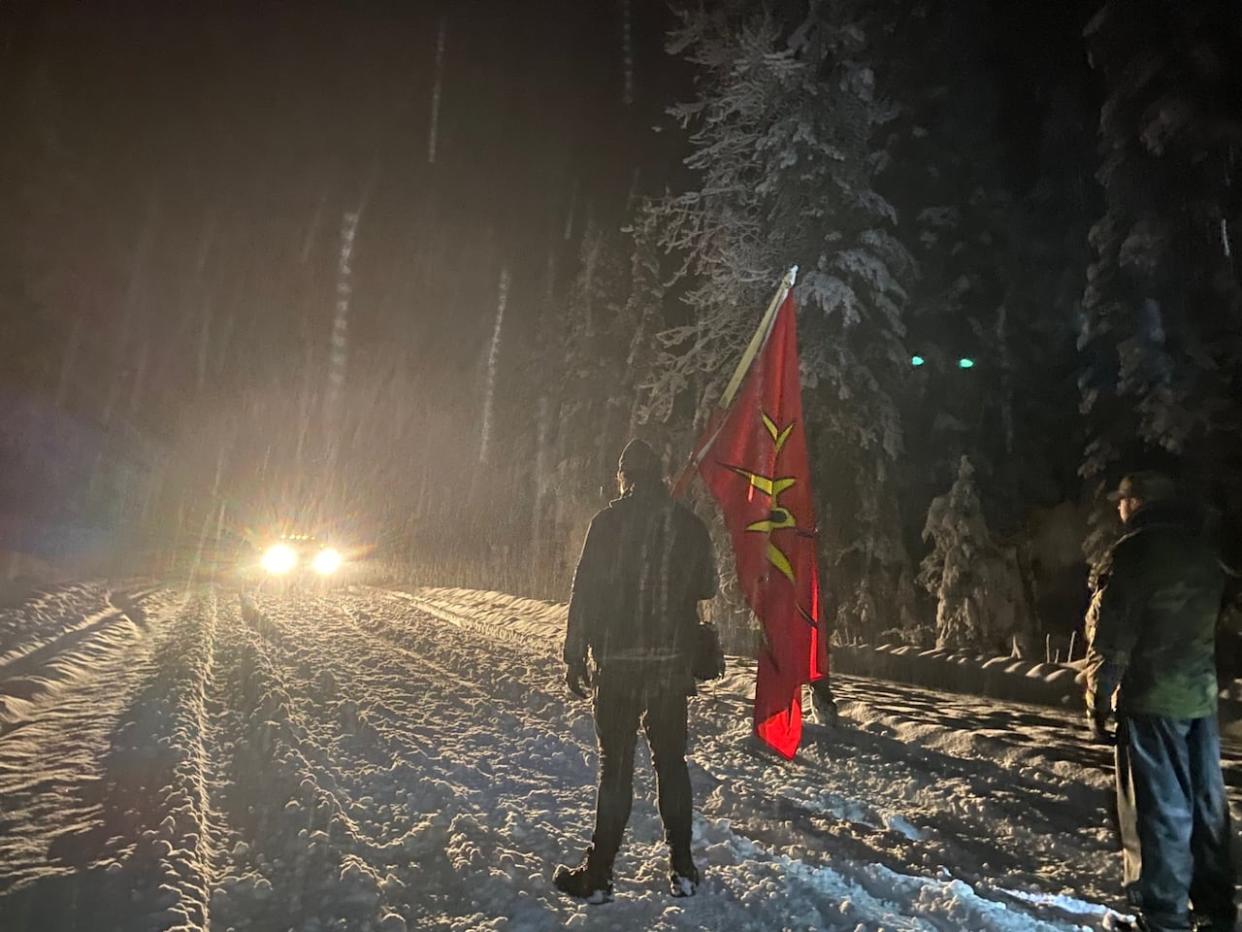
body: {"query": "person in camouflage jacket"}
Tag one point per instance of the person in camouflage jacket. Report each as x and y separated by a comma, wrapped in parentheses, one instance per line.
(1151, 633)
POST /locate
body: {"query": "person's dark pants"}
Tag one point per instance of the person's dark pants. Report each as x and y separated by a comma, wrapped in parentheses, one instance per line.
(625, 697)
(1174, 821)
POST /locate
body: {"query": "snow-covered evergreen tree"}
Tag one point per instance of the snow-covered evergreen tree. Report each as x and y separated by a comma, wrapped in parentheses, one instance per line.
(599, 332)
(784, 133)
(1162, 328)
(980, 600)
(597, 315)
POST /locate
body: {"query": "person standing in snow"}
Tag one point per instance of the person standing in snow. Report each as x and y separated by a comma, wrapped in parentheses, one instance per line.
(1151, 635)
(646, 563)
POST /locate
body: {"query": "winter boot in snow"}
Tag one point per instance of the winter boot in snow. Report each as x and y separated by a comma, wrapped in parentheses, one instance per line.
(683, 876)
(591, 880)
(824, 704)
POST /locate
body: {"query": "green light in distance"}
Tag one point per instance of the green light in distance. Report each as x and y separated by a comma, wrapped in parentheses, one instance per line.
(965, 363)
(917, 361)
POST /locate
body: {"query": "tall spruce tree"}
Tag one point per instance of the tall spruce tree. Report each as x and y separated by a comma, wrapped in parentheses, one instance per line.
(1162, 329)
(784, 135)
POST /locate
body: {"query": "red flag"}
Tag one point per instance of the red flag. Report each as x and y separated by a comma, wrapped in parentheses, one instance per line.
(753, 457)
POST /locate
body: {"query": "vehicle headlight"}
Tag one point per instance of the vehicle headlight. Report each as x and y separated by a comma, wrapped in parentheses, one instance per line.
(327, 561)
(279, 559)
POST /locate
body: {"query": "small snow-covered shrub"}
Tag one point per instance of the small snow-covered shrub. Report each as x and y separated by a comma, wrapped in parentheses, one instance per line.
(980, 601)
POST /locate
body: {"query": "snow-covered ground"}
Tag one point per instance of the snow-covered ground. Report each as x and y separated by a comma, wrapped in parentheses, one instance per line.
(372, 759)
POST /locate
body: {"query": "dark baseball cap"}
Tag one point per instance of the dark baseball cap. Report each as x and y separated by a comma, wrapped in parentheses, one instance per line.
(1150, 486)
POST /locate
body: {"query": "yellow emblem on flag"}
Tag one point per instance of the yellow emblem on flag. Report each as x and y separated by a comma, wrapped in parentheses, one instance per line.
(779, 517)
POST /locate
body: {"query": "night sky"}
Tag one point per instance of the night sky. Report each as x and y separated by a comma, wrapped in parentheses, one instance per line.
(176, 177)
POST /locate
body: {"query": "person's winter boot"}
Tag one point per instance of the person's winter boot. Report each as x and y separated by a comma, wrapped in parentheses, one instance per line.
(591, 880)
(824, 704)
(683, 876)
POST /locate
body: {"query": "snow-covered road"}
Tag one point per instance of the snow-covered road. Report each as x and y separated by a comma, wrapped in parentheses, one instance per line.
(383, 760)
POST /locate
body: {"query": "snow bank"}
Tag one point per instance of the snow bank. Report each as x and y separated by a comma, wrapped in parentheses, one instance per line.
(1008, 678)
(543, 623)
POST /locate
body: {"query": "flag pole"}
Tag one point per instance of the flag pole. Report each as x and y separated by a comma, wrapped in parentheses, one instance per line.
(757, 340)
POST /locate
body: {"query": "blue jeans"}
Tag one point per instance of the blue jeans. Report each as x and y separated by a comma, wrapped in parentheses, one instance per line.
(1174, 821)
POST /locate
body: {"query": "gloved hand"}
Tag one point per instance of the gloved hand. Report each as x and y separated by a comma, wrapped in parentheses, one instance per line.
(578, 679)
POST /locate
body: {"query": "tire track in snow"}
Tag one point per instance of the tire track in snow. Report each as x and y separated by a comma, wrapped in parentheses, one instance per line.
(275, 852)
(815, 810)
(46, 614)
(73, 788)
(451, 789)
(333, 735)
(355, 762)
(157, 785)
(31, 678)
(52, 744)
(318, 811)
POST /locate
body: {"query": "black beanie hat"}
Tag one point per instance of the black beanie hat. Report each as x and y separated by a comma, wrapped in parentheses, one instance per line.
(638, 459)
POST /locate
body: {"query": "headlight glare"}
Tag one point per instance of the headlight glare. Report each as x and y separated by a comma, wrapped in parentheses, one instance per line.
(279, 559)
(327, 561)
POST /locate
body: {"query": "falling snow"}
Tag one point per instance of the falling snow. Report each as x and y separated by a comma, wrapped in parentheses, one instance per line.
(239, 305)
(627, 51)
(339, 352)
(493, 360)
(437, 89)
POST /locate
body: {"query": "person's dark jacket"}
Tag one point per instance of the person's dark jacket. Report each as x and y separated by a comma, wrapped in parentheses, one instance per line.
(1152, 625)
(646, 563)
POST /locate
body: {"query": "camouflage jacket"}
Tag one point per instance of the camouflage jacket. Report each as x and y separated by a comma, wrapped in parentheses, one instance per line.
(1151, 628)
